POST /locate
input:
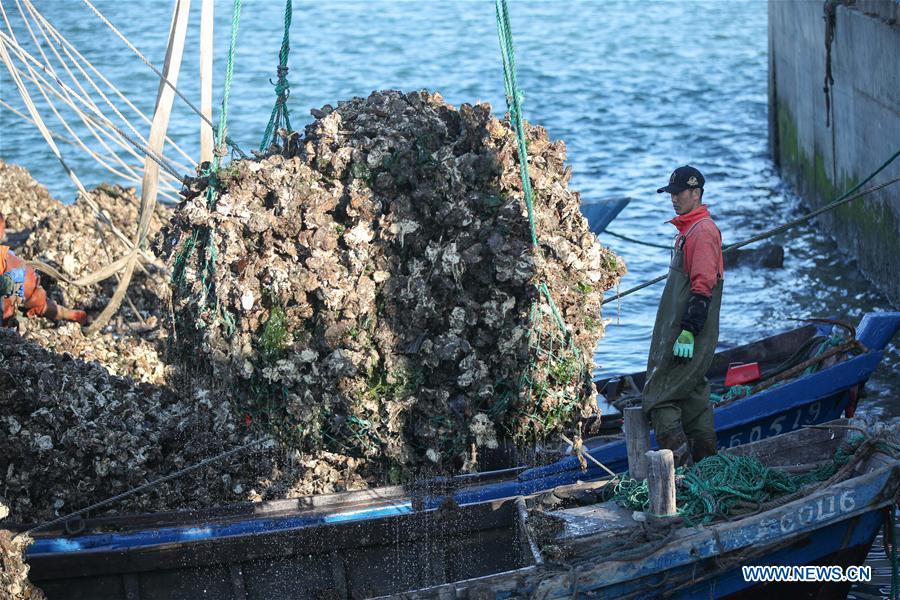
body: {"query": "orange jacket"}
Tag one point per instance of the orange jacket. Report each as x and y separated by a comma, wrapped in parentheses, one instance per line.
(35, 297)
(703, 260)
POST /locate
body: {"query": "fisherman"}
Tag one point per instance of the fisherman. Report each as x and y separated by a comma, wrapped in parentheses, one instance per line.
(20, 289)
(676, 393)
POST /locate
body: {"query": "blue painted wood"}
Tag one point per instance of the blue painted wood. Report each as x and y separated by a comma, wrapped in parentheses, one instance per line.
(844, 514)
(792, 521)
(875, 330)
(813, 550)
(602, 212)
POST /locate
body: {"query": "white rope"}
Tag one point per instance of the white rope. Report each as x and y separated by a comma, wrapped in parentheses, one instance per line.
(97, 117)
(65, 45)
(90, 127)
(41, 82)
(58, 136)
(66, 140)
(103, 273)
(158, 73)
(53, 72)
(32, 110)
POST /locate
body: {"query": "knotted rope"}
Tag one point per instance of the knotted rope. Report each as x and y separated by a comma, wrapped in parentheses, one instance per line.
(280, 118)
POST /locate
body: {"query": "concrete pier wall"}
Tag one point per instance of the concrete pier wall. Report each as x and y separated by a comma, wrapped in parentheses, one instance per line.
(824, 160)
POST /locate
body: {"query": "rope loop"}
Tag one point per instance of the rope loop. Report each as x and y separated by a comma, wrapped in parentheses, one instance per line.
(280, 119)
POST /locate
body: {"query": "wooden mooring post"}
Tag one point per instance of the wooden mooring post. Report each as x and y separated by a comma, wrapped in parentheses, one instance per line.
(637, 441)
(661, 482)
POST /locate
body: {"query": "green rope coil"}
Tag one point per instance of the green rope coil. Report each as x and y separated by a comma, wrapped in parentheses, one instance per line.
(280, 117)
(724, 486)
(831, 342)
(733, 393)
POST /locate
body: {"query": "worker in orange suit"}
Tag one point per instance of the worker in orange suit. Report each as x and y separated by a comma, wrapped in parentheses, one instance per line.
(20, 289)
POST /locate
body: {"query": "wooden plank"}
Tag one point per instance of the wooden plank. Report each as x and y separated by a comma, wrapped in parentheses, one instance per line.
(637, 441)
(661, 482)
(799, 447)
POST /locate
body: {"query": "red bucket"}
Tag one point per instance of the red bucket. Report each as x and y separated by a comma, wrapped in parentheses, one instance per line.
(741, 373)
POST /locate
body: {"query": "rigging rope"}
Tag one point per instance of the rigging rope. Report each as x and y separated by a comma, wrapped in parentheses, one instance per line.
(94, 277)
(67, 140)
(280, 115)
(46, 32)
(90, 125)
(99, 119)
(841, 200)
(636, 241)
(69, 49)
(162, 78)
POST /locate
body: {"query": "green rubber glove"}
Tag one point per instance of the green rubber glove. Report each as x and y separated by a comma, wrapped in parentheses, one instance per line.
(684, 345)
(7, 286)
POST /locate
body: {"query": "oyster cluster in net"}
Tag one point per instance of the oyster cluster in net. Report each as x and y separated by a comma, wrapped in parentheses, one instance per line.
(372, 287)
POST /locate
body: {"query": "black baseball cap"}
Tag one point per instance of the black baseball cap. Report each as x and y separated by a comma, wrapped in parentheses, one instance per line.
(683, 178)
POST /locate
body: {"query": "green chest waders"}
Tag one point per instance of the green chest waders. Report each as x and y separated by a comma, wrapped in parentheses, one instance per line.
(679, 390)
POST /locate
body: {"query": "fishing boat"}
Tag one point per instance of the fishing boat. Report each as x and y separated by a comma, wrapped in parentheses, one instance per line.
(515, 547)
(808, 399)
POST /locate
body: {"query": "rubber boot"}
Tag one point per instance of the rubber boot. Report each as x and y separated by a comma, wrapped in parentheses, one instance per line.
(675, 440)
(703, 446)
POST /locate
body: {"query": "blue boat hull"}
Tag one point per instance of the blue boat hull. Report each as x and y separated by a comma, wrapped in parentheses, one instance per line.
(844, 544)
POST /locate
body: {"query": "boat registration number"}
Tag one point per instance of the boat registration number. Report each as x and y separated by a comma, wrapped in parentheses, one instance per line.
(804, 415)
(814, 511)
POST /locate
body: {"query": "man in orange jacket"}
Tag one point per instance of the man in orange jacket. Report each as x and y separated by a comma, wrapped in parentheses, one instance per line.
(20, 289)
(676, 392)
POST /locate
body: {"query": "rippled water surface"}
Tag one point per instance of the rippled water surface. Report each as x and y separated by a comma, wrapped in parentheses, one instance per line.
(634, 89)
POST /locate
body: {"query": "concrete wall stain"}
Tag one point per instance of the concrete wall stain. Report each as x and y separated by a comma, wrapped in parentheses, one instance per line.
(823, 164)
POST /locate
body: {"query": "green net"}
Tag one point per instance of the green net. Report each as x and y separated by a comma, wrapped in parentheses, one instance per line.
(202, 240)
